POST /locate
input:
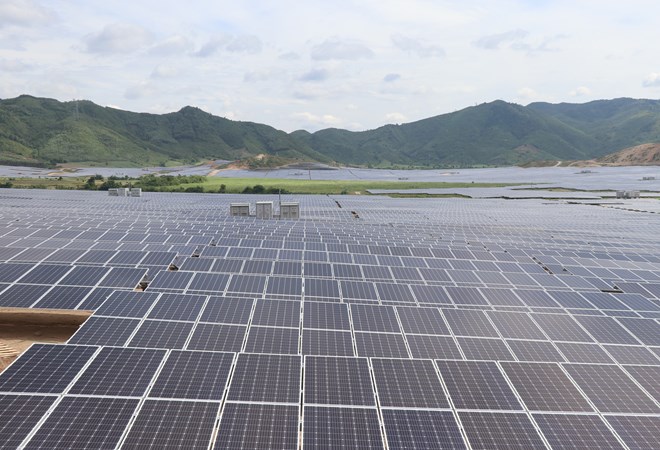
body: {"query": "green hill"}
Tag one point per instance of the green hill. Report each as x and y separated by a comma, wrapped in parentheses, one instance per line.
(44, 131)
(36, 130)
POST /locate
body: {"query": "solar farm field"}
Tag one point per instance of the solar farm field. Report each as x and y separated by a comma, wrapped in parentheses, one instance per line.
(370, 322)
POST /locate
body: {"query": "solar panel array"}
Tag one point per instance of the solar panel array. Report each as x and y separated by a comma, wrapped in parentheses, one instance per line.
(369, 323)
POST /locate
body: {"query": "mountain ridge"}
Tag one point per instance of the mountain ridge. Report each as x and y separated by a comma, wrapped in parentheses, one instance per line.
(46, 131)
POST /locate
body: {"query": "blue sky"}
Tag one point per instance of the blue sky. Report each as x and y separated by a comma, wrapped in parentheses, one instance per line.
(317, 64)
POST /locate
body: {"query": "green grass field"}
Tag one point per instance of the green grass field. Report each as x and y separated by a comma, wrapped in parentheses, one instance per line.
(237, 185)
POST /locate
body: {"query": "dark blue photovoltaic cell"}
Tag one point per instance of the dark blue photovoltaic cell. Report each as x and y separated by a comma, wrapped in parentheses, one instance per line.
(227, 310)
(338, 381)
(217, 337)
(85, 422)
(341, 428)
(105, 331)
(565, 432)
(119, 372)
(500, 431)
(611, 389)
(161, 334)
(266, 379)
(188, 425)
(244, 426)
(45, 368)
(408, 383)
(410, 429)
(193, 375)
(177, 307)
(18, 415)
(127, 304)
(477, 385)
(637, 432)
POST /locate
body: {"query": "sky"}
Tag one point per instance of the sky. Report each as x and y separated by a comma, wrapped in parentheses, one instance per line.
(317, 64)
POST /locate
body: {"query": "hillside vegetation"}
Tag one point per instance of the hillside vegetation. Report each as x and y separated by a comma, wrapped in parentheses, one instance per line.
(44, 131)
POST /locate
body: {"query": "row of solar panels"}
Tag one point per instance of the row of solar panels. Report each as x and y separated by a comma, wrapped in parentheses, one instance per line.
(132, 396)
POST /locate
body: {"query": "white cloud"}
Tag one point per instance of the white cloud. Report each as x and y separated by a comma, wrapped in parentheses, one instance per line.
(652, 80)
(315, 75)
(580, 91)
(118, 38)
(164, 71)
(289, 56)
(244, 44)
(415, 46)
(138, 91)
(340, 49)
(493, 41)
(13, 65)
(527, 94)
(24, 13)
(173, 45)
(391, 77)
(395, 117)
(324, 119)
(235, 44)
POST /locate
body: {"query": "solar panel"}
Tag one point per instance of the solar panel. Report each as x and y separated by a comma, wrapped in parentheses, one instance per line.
(104, 331)
(119, 372)
(188, 425)
(330, 316)
(45, 368)
(327, 342)
(22, 295)
(19, 414)
(233, 310)
(647, 377)
(583, 353)
(161, 334)
(84, 276)
(610, 389)
(217, 337)
(127, 304)
(387, 345)
(541, 351)
(570, 431)
(266, 379)
(248, 425)
(85, 422)
(341, 428)
(422, 321)
(408, 383)
(561, 327)
(465, 322)
(175, 281)
(276, 313)
(337, 381)
(193, 375)
(63, 297)
(415, 429)
(177, 307)
(433, 347)
(515, 325)
(272, 340)
(637, 432)
(44, 274)
(545, 387)
(212, 283)
(500, 431)
(374, 318)
(477, 385)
